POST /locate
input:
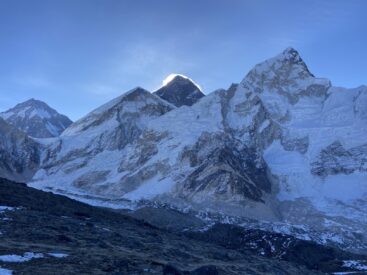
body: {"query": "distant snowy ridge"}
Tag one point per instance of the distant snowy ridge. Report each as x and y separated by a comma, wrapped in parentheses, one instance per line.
(37, 119)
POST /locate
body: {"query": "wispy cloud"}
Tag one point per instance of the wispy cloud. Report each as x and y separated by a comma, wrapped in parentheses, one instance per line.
(146, 60)
(138, 64)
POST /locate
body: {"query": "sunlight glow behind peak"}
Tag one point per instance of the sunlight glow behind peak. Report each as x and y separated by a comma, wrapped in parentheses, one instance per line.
(169, 78)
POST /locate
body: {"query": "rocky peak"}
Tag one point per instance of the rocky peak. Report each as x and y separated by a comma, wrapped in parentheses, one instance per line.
(134, 104)
(32, 105)
(287, 75)
(179, 90)
(292, 57)
(35, 103)
(37, 119)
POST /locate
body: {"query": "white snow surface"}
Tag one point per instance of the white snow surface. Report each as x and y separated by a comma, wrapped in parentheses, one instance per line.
(58, 255)
(4, 271)
(41, 113)
(355, 264)
(152, 188)
(8, 208)
(28, 256)
(12, 258)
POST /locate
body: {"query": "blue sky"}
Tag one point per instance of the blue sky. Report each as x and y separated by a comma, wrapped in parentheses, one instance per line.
(77, 54)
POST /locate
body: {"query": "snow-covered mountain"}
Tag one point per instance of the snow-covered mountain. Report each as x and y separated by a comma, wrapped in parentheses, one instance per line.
(37, 119)
(19, 154)
(93, 148)
(179, 90)
(281, 146)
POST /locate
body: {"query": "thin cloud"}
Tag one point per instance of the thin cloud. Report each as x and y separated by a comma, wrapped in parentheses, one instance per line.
(144, 61)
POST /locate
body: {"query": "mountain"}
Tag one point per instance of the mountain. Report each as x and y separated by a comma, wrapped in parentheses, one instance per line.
(180, 90)
(37, 119)
(282, 150)
(92, 149)
(19, 154)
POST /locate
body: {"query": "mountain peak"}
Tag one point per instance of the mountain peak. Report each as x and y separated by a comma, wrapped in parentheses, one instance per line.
(179, 90)
(288, 59)
(133, 106)
(286, 71)
(36, 118)
(137, 91)
(179, 79)
(291, 56)
(291, 51)
(32, 102)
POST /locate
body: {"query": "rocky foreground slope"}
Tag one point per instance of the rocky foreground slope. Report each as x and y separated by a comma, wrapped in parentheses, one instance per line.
(43, 233)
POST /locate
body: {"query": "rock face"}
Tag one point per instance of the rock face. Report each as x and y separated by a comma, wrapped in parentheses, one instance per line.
(180, 91)
(19, 154)
(335, 159)
(282, 145)
(37, 119)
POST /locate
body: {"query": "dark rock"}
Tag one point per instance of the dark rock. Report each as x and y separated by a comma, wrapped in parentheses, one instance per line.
(171, 270)
(180, 91)
(115, 244)
(206, 270)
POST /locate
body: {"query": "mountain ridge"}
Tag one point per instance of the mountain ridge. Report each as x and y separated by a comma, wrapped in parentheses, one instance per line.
(262, 149)
(36, 118)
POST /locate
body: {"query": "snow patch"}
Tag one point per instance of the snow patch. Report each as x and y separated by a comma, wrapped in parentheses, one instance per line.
(19, 259)
(58, 255)
(355, 264)
(4, 271)
(6, 208)
(13, 258)
(151, 188)
(6, 115)
(41, 113)
(264, 125)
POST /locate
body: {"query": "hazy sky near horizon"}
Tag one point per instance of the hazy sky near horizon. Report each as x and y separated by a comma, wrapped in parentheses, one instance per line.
(77, 54)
